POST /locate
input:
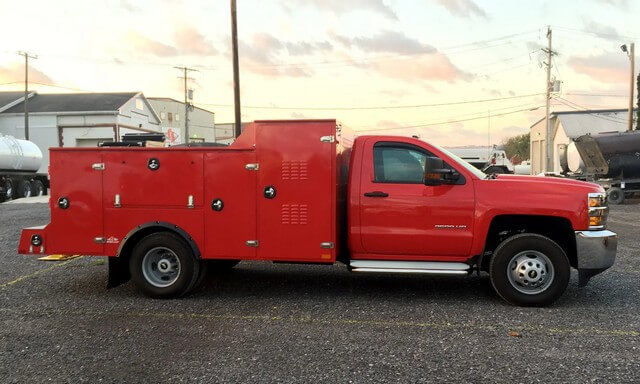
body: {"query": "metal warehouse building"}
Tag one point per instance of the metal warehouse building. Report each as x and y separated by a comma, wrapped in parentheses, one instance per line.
(567, 126)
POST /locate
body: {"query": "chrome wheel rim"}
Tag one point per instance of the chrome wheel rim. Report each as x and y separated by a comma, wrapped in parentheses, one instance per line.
(530, 272)
(161, 267)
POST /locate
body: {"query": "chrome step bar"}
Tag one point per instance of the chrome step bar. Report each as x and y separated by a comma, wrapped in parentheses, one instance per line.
(427, 267)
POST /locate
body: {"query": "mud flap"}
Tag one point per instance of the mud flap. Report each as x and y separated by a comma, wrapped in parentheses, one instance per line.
(584, 275)
(118, 272)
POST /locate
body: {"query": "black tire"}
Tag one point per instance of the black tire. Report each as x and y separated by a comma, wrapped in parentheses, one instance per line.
(526, 251)
(38, 188)
(24, 189)
(615, 196)
(167, 247)
(7, 190)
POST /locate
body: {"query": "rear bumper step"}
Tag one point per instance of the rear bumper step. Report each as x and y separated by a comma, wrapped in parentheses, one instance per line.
(426, 267)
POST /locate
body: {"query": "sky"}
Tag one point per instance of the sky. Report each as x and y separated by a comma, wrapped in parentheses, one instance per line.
(454, 72)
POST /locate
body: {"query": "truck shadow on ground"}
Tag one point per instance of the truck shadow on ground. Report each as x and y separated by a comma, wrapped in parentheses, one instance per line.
(322, 283)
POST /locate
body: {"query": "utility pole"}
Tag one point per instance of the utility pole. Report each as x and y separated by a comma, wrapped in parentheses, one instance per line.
(632, 57)
(548, 64)
(236, 74)
(186, 70)
(26, 91)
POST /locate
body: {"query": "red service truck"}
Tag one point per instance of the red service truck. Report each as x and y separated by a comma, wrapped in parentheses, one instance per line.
(309, 192)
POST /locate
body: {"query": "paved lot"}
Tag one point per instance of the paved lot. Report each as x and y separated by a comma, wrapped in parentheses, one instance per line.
(291, 323)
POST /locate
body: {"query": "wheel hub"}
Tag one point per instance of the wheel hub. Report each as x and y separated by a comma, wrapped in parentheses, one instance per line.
(161, 267)
(530, 272)
(164, 266)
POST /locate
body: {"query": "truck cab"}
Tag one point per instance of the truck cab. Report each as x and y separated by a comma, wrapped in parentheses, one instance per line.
(311, 192)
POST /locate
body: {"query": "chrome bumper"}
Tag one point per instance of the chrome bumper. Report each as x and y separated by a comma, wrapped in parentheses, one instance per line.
(596, 252)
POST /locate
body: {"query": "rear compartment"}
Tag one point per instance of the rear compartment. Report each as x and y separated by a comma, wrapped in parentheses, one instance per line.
(272, 195)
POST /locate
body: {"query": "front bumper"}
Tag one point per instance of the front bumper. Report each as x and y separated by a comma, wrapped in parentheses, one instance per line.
(596, 252)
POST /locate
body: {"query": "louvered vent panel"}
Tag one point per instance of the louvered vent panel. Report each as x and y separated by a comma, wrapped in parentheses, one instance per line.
(295, 214)
(295, 170)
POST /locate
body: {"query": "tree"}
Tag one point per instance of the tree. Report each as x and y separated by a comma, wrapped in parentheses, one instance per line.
(517, 146)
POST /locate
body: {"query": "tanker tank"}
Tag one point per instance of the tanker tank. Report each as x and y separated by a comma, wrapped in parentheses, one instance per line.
(19, 155)
(609, 155)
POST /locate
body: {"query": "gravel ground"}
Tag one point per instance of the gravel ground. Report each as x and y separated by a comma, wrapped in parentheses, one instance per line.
(294, 323)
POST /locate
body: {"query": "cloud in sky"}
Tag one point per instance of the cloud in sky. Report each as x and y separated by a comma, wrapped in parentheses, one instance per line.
(608, 67)
(341, 6)
(427, 64)
(387, 41)
(16, 73)
(191, 42)
(147, 45)
(463, 8)
(436, 66)
(601, 29)
(260, 56)
(615, 3)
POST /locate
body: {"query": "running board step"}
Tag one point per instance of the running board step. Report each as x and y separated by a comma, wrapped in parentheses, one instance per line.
(427, 267)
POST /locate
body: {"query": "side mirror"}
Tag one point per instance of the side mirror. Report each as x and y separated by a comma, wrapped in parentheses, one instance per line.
(435, 172)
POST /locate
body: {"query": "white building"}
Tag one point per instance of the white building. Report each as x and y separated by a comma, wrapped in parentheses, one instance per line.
(172, 121)
(225, 132)
(76, 119)
(567, 126)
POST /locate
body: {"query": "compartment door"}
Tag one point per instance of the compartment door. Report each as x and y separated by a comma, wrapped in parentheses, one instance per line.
(296, 192)
(74, 230)
(230, 205)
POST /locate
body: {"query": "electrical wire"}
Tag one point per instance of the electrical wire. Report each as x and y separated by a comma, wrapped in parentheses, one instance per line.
(606, 36)
(583, 109)
(451, 121)
(375, 107)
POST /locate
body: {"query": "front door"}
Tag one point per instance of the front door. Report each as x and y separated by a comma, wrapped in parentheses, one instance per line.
(403, 217)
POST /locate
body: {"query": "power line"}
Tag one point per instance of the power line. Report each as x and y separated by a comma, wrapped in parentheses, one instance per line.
(454, 49)
(61, 87)
(378, 107)
(606, 36)
(482, 113)
(578, 107)
(452, 121)
(594, 95)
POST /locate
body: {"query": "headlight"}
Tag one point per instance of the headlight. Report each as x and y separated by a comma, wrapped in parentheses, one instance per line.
(598, 210)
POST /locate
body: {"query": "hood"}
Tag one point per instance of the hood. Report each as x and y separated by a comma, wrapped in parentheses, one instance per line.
(559, 182)
(536, 195)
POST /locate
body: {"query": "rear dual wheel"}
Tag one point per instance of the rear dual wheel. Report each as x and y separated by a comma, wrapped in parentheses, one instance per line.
(7, 189)
(529, 270)
(163, 266)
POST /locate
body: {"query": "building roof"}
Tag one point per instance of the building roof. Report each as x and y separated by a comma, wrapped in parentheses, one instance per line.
(576, 125)
(9, 97)
(74, 102)
(593, 121)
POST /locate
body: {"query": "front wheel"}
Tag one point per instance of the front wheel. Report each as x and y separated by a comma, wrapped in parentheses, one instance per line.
(529, 270)
(163, 266)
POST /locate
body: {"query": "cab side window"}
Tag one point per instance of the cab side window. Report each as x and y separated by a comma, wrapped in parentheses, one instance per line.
(398, 163)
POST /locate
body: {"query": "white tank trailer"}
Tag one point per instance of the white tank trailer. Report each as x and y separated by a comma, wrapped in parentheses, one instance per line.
(609, 159)
(19, 163)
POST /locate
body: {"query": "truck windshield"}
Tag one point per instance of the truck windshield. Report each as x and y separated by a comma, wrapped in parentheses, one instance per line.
(467, 166)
